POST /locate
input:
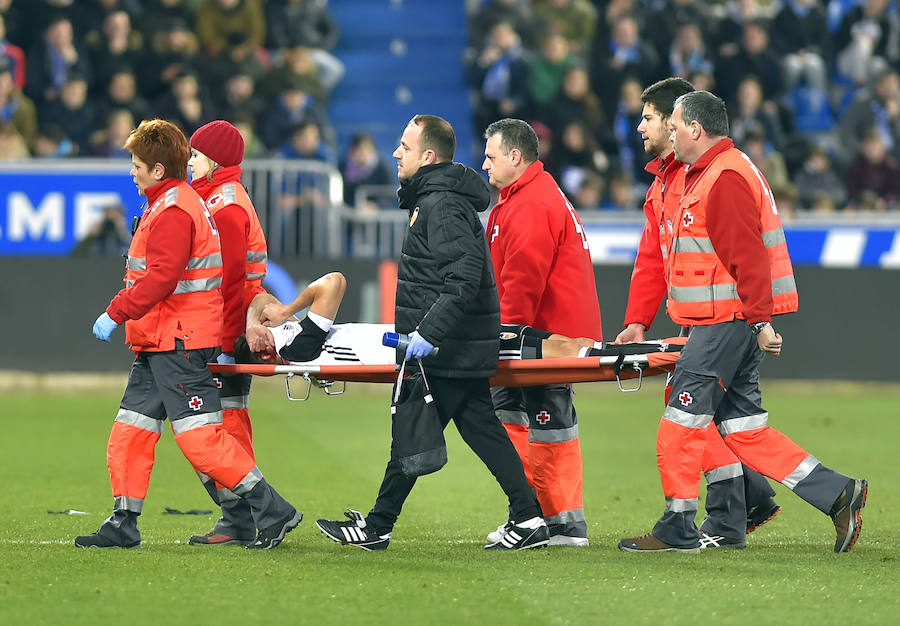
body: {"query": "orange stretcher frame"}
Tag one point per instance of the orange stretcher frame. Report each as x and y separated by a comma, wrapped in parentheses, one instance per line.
(522, 373)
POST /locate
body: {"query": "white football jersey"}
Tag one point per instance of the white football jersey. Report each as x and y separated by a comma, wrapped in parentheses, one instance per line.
(349, 344)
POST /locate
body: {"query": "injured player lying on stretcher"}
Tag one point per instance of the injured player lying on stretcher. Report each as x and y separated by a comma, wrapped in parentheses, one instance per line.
(273, 335)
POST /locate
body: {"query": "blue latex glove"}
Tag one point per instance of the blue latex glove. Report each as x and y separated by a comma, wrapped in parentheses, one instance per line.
(104, 326)
(225, 359)
(418, 346)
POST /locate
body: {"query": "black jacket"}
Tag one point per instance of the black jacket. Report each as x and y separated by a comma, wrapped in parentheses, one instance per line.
(445, 280)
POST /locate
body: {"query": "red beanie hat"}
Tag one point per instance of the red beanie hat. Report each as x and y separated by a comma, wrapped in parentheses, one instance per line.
(220, 141)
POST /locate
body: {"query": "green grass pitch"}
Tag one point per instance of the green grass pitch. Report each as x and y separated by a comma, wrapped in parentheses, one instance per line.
(328, 454)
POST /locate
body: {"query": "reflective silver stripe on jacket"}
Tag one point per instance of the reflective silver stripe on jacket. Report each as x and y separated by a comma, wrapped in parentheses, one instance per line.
(229, 193)
(803, 470)
(139, 420)
(693, 244)
(704, 293)
(249, 482)
(257, 257)
(785, 284)
(725, 472)
(124, 503)
(682, 505)
(743, 424)
(204, 262)
(688, 420)
(774, 237)
(770, 239)
(255, 275)
(198, 284)
(196, 421)
(171, 196)
(726, 291)
(558, 435)
(136, 263)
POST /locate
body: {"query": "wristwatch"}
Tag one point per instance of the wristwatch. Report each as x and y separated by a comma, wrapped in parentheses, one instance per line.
(759, 326)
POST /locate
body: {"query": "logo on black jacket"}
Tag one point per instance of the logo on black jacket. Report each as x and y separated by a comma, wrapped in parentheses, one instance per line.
(415, 214)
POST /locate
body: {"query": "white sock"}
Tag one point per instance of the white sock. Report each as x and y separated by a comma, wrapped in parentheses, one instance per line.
(322, 322)
(534, 522)
(583, 352)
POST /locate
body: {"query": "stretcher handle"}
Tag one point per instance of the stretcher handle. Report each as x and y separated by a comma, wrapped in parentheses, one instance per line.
(617, 368)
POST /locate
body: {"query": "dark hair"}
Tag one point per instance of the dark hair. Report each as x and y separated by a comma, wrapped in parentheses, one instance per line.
(662, 94)
(160, 141)
(242, 352)
(515, 135)
(360, 139)
(707, 110)
(437, 135)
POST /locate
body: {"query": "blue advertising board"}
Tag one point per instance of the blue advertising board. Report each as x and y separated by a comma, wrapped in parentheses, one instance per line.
(831, 243)
(46, 208)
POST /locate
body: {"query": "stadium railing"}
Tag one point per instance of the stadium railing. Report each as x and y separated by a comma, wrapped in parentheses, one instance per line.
(48, 206)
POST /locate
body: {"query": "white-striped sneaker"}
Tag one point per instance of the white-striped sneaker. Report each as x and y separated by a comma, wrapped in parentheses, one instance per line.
(531, 533)
(354, 532)
(495, 535)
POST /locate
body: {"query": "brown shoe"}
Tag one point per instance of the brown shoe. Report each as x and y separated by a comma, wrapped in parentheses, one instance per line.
(651, 543)
(213, 538)
(846, 514)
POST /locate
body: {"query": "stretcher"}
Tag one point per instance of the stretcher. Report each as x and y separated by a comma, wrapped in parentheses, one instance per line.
(619, 363)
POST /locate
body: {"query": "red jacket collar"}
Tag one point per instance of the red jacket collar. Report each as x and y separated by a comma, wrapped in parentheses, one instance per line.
(527, 176)
(707, 157)
(658, 166)
(153, 193)
(205, 184)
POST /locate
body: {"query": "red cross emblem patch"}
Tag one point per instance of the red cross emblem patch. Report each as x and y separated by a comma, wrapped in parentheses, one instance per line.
(543, 417)
(195, 402)
(687, 219)
(685, 398)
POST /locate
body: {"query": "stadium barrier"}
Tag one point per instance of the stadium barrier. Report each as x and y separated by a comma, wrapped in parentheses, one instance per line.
(843, 331)
(47, 207)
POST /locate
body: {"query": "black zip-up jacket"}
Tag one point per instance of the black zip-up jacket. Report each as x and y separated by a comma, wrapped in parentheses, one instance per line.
(445, 280)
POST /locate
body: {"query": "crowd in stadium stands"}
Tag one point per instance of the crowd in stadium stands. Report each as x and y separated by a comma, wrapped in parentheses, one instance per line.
(812, 85)
(77, 75)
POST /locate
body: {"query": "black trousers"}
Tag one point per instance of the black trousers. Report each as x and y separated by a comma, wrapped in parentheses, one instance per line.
(466, 401)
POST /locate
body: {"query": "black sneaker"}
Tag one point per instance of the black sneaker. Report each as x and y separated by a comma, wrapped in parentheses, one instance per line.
(354, 532)
(215, 538)
(846, 514)
(101, 541)
(270, 537)
(532, 533)
(761, 514)
(718, 541)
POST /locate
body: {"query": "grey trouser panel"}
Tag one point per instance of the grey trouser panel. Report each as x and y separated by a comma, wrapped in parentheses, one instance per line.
(175, 384)
(237, 519)
(549, 413)
(717, 377)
